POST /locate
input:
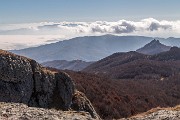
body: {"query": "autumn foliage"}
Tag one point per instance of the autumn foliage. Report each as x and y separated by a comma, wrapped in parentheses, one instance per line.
(126, 84)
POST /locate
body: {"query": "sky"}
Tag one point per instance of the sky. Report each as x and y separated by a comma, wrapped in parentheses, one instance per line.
(20, 11)
(26, 23)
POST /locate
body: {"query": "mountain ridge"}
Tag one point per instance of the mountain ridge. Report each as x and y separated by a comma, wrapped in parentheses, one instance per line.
(132, 64)
(89, 48)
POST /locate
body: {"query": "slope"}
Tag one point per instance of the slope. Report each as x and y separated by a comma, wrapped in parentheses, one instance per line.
(124, 98)
(136, 65)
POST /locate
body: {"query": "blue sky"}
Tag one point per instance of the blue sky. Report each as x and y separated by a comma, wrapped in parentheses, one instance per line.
(25, 11)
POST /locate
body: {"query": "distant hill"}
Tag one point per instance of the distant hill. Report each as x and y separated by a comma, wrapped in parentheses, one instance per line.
(75, 65)
(136, 65)
(88, 48)
(154, 47)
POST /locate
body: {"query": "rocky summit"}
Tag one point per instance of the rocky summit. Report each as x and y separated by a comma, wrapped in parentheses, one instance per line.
(23, 80)
(154, 47)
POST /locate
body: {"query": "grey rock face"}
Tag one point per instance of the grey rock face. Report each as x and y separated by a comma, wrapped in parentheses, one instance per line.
(65, 88)
(23, 80)
(16, 81)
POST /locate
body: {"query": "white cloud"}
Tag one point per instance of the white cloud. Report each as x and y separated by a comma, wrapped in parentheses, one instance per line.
(72, 28)
(146, 27)
(9, 42)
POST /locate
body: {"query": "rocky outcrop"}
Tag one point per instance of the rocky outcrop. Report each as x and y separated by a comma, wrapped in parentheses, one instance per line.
(158, 114)
(23, 80)
(19, 111)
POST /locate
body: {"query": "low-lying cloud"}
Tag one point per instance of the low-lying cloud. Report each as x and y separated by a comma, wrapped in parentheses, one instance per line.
(146, 27)
(120, 27)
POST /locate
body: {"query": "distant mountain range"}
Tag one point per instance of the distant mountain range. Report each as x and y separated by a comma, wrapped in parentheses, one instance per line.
(75, 65)
(90, 48)
(154, 47)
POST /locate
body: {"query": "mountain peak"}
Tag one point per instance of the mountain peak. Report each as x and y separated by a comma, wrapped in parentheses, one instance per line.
(154, 47)
(155, 41)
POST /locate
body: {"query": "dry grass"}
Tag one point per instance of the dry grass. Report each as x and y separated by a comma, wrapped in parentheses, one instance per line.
(3, 52)
(6, 53)
(45, 70)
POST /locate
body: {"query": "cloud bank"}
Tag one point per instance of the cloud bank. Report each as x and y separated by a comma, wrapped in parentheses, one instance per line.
(146, 27)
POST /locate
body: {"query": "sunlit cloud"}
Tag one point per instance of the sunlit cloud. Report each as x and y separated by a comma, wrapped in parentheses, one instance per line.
(65, 30)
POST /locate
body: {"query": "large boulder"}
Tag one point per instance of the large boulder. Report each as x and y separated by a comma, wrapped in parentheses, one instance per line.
(23, 80)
